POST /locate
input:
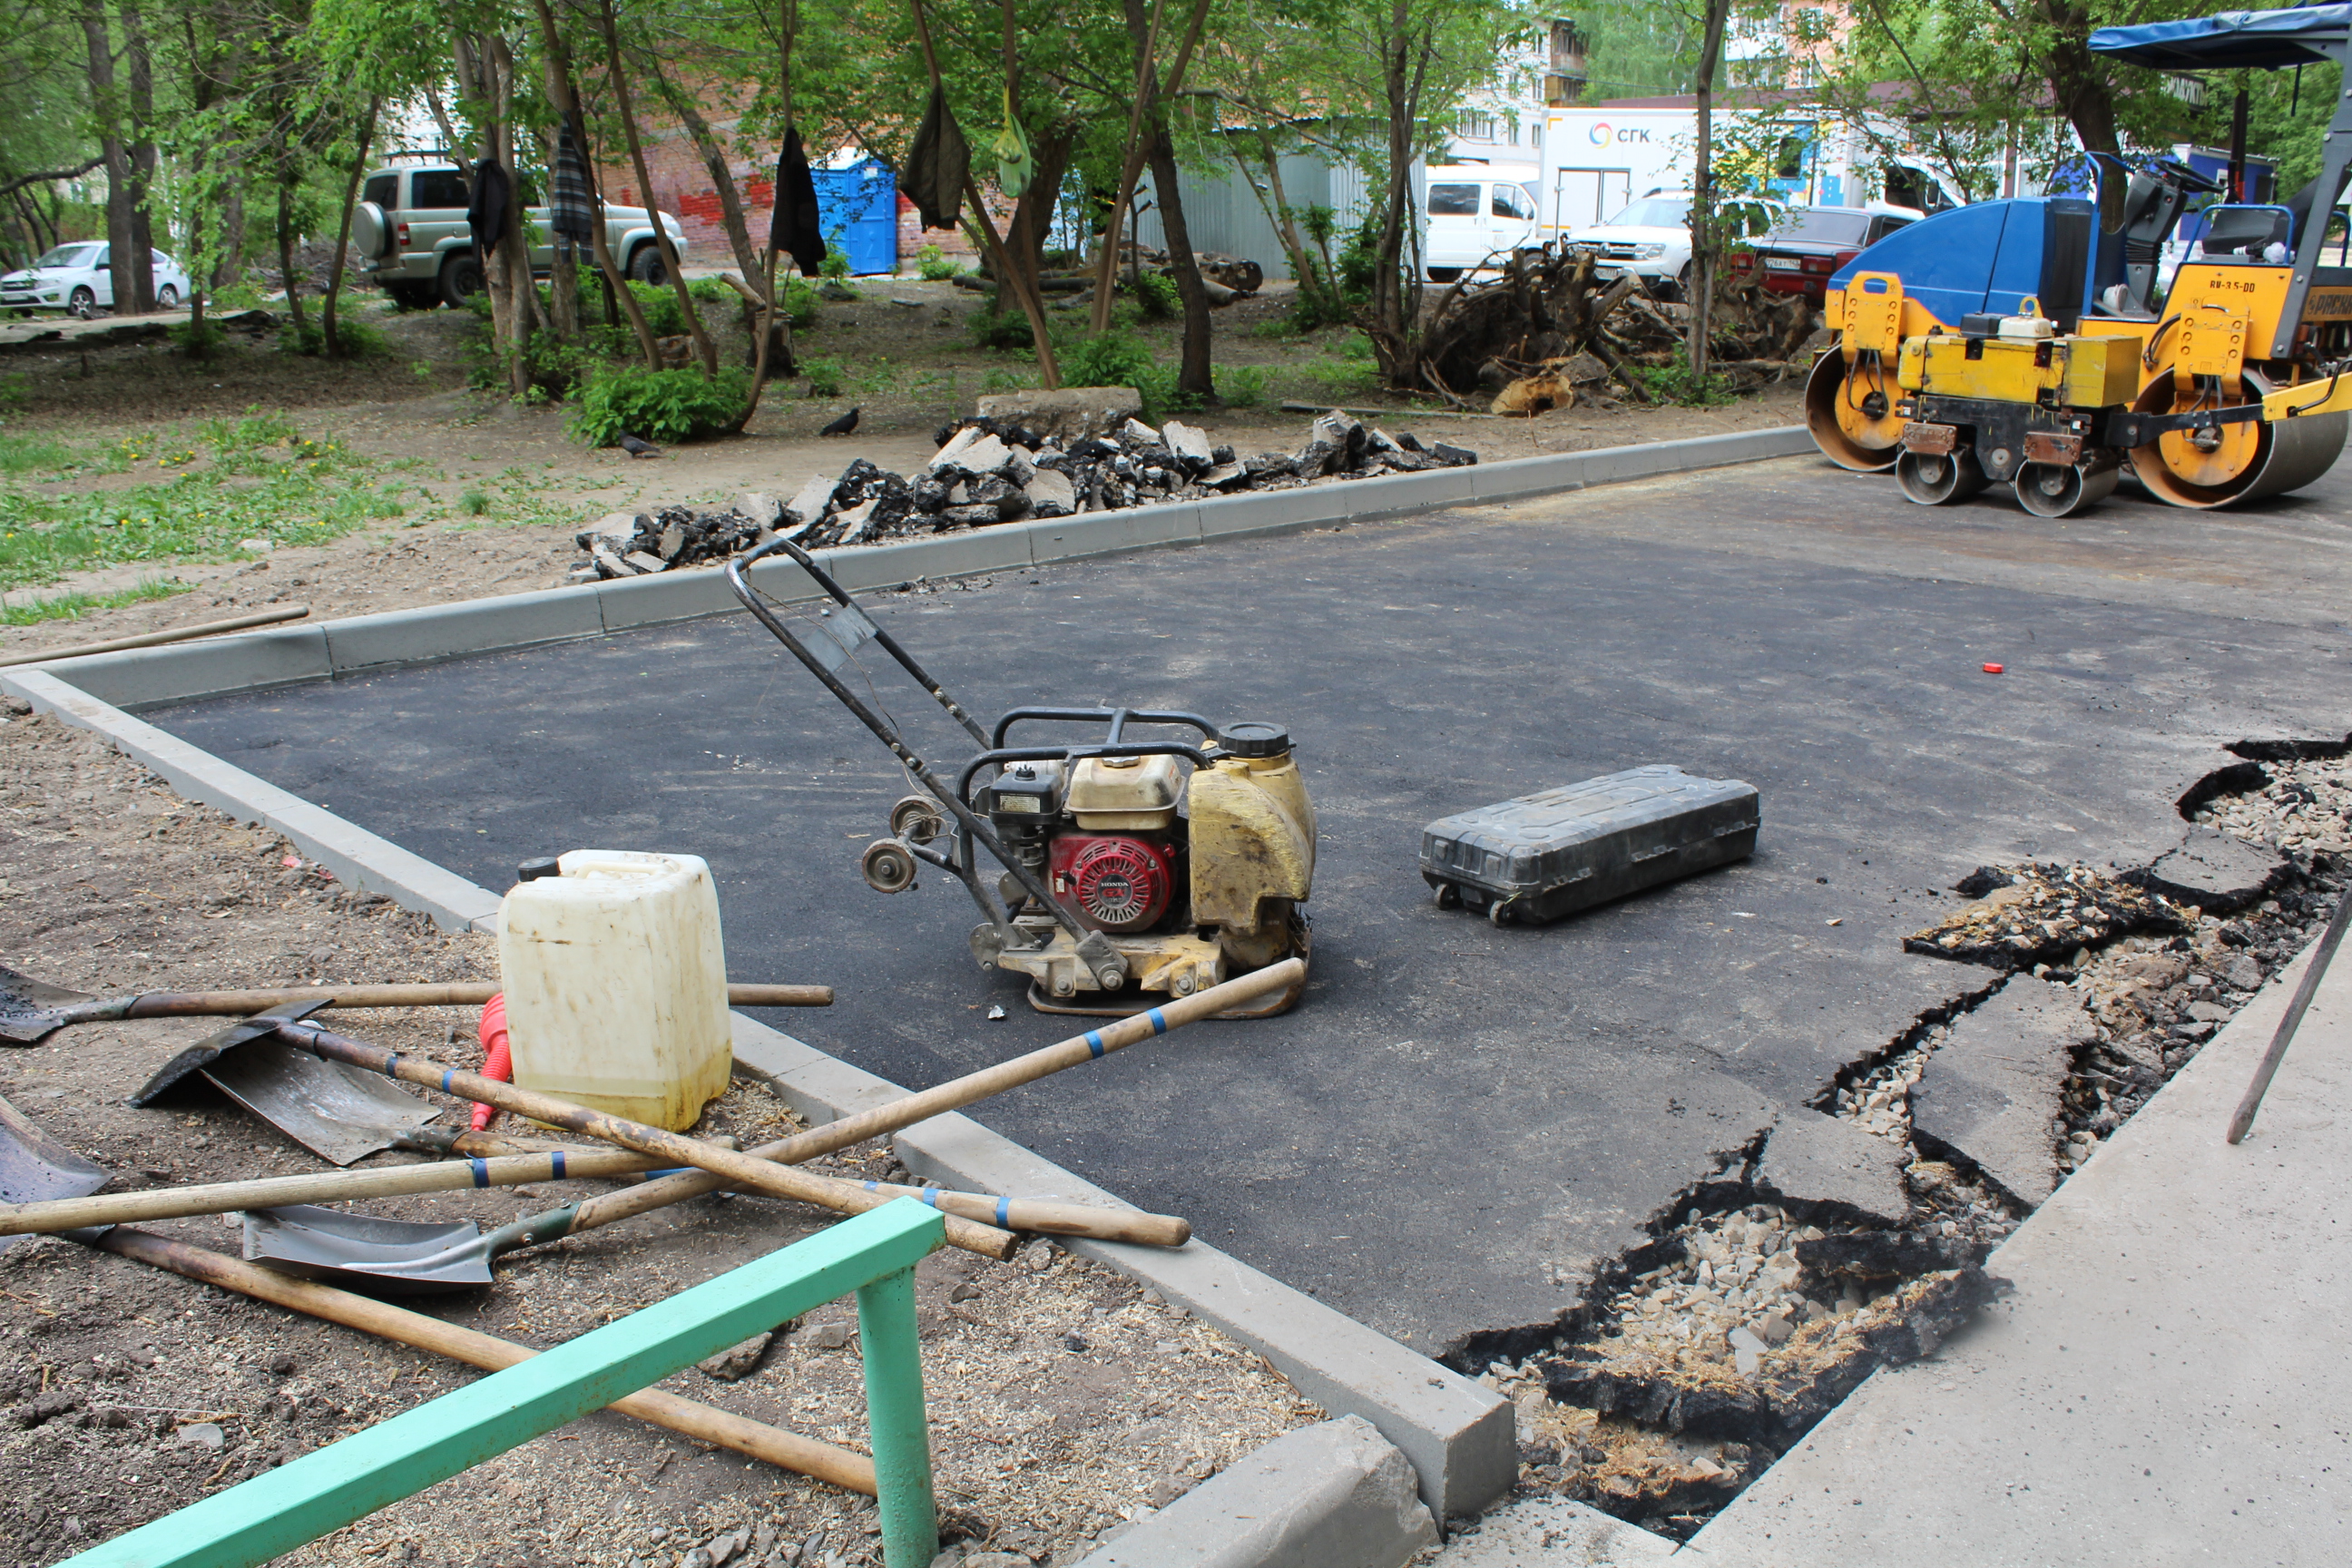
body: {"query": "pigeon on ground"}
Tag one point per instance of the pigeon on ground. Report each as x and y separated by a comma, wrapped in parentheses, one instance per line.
(846, 425)
(636, 449)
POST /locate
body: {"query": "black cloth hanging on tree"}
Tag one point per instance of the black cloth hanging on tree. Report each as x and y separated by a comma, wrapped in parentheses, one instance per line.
(795, 230)
(486, 214)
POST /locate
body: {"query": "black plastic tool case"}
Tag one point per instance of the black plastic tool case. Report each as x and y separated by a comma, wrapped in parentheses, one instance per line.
(1559, 850)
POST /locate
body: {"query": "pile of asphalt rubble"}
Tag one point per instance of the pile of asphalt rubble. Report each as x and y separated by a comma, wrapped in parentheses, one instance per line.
(987, 472)
(1698, 1358)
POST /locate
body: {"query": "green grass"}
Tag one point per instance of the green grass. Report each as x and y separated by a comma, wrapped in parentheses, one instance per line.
(73, 607)
(265, 480)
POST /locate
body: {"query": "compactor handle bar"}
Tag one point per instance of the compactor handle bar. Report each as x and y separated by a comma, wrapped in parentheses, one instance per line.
(1108, 966)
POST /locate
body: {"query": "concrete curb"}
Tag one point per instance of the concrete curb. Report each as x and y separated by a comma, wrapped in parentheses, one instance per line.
(1459, 1436)
(144, 679)
(357, 857)
(1334, 1495)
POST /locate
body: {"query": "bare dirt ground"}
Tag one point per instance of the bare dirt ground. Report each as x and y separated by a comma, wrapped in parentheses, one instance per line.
(495, 491)
(1063, 1400)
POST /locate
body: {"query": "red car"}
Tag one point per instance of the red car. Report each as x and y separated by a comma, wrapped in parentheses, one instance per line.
(1801, 251)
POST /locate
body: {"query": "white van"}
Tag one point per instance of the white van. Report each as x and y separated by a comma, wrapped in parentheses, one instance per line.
(1477, 214)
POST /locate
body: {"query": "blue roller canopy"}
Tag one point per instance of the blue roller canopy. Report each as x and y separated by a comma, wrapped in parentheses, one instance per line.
(2266, 40)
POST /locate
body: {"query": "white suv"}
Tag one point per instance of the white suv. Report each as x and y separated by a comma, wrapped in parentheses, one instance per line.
(1651, 238)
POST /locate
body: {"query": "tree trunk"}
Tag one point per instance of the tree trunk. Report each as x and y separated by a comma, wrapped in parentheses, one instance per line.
(1196, 377)
(704, 348)
(1391, 319)
(563, 88)
(514, 247)
(98, 36)
(343, 230)
(286, 258)
(1033, 215)
(141, 152)
(714, 160)
(1706, 238)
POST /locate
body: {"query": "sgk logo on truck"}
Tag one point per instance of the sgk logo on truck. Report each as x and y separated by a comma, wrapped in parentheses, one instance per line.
(1604, 133)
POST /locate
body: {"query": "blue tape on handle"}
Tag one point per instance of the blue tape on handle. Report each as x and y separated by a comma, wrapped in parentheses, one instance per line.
(1004, 1213)
(1158, 1021)
(931, 1197)
(1095, 1043)
(446, 1078)
(481, 1171)
(557, 1160)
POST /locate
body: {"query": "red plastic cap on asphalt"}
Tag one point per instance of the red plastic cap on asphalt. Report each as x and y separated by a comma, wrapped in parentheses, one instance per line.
(1992, 670)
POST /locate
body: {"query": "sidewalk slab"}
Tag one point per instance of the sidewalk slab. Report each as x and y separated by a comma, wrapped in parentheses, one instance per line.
(2168, 1383)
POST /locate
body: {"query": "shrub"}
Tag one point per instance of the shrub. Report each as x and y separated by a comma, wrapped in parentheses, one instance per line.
(1245, 386)
(1156, 292)
(1673, 383)
(995, 329)
(661, 405)
(356, 338)
(197, 339)
(932, 264)
(823, 377)
(1107, 359)
(837, 259)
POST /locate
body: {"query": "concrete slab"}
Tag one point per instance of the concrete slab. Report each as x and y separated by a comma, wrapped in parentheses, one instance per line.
(1539, 1094)
(1990, 1092)
(2167, 1383)
(2217, 873)
(1333, 1495)
(1552, 1533)
(1824, 1167)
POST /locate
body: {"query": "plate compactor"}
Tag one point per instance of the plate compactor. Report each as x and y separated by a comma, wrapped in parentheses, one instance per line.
(1131, 866)
(2024, 342)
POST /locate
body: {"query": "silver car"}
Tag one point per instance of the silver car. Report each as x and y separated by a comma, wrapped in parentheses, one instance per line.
(414, 242)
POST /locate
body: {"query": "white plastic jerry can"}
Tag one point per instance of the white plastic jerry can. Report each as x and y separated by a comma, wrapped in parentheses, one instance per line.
(616, 985)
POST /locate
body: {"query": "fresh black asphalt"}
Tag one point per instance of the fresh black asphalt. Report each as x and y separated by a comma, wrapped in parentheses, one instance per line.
(1459, 1122)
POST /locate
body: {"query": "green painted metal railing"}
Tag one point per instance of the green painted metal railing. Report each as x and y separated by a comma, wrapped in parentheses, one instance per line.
(874, 1254)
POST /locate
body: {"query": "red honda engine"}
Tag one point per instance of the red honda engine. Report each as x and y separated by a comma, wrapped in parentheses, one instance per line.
(1116, 881)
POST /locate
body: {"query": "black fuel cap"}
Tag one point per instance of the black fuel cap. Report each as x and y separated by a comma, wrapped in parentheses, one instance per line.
(533, 870)
(1251, 739)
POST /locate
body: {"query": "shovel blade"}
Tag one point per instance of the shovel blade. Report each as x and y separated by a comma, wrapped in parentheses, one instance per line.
(214, 1047)
(30, 1009)
(335, 1111)
(361, 1252)
(36, 1167)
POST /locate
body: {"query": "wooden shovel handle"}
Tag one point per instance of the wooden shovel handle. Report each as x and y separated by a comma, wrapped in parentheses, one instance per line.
(731, 1167)
(470, 994)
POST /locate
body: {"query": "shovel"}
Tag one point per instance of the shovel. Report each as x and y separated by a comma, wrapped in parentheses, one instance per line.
(396, 1258)
(36, 1168)
(32, 1010)
(369, 1253)
(337, 1112)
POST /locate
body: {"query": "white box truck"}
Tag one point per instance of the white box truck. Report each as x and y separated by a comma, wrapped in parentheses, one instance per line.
(1597, 161)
